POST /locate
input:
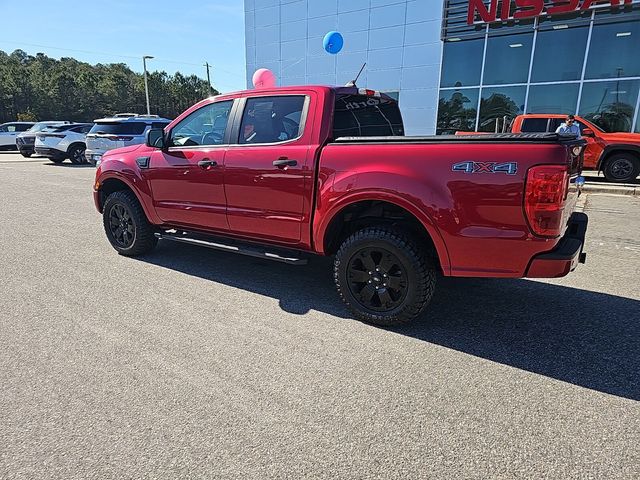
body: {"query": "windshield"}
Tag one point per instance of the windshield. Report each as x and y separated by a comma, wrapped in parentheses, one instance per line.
(38, 127)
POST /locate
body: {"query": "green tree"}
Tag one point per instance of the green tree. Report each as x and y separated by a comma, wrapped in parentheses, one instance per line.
(43, 88)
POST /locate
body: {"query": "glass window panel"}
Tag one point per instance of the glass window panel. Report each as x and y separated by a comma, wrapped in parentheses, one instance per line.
(569, 44)
(457, 111)
(205, 126)
(271, 119)
(638, 123)
(614, 51)
(461, 63)
(508, 59)
(553, 98)
(535, 125)
(512, 26)
(500, 102)
(362, 116)
(610, 105)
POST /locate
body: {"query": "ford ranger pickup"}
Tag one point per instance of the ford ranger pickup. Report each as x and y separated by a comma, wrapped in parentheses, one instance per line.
(286, 172)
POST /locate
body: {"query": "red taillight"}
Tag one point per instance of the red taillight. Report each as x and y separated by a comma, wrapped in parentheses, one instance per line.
(544, 199)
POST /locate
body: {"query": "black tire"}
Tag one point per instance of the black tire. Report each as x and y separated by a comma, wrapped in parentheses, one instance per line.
(123, 213)
(57, 160)
(26, 154)
(622, 168)
(76, 154)
(399, 260)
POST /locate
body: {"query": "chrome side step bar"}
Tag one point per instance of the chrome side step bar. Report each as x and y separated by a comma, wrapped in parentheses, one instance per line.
(233, 247)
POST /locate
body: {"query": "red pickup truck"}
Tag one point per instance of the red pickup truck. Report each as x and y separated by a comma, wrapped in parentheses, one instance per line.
(286, 172)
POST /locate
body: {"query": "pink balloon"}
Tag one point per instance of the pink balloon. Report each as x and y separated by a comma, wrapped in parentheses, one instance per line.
(264, 78)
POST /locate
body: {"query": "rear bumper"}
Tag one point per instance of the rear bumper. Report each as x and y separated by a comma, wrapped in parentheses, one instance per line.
(49, 152)
(567, 254)
(94, 157)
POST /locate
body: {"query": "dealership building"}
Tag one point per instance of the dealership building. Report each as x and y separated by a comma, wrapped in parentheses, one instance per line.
(461, 64)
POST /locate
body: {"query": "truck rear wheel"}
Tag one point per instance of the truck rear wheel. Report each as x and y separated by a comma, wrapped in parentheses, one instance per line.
(623, 167)
(383, 276)
(126, 225)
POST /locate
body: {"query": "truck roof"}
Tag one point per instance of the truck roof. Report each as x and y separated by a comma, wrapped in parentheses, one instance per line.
(545, 115)
(319, 88)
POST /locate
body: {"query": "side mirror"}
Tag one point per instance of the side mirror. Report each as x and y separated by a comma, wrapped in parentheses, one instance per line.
(156, 139)
(587, 132)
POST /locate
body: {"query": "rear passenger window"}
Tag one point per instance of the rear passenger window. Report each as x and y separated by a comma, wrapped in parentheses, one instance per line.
(272, 119)
(205, 126)
(159, 124)
(535, 125)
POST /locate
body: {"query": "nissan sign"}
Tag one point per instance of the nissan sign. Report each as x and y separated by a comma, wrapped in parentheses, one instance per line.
(501, 10)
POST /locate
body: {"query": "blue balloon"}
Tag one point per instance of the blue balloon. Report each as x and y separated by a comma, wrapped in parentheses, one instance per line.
(333, 42)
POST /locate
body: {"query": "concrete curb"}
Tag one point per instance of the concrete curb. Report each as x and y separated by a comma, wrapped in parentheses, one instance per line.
(630, 190)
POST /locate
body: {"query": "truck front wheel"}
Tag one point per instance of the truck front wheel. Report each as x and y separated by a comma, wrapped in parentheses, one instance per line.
(623, 167)
(383, 276)
(126, 225)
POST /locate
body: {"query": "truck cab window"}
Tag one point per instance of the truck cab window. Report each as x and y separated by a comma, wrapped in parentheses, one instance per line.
(535, 125)
(205, 126)
(365, 116)
(272, 119)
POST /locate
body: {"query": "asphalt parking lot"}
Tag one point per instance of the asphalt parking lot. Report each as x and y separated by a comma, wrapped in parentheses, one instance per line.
(191, 363)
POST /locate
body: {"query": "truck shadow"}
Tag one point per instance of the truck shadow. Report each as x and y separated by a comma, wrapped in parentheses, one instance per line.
(67, 164)
(585, 338)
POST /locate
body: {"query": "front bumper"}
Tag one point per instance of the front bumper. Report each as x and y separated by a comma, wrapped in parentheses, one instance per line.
(27, 149)
(567, 254)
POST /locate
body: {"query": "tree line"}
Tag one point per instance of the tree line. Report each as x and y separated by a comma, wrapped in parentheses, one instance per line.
(40, 88)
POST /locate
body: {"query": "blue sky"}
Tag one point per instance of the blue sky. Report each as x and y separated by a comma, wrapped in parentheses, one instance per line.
(181, 34)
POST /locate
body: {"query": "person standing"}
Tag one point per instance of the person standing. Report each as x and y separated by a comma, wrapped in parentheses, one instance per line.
(569, 127)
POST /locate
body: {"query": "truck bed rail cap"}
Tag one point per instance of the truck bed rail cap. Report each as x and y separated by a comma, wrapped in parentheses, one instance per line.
(488, 138)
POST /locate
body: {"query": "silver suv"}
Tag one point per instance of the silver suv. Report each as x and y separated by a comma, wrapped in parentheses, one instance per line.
(119, 131)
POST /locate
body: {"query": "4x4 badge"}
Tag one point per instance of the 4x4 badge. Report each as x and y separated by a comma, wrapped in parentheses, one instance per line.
(510, 168)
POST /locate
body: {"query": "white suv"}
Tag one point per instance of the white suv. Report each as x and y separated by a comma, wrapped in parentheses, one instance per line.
(64, 141)
(117, 132)
(8, 132)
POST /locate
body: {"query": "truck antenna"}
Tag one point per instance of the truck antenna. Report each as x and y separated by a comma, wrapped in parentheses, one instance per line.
(352, 83)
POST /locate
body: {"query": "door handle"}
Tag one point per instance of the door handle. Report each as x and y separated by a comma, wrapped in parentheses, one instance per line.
(283, 162)
(206, 163)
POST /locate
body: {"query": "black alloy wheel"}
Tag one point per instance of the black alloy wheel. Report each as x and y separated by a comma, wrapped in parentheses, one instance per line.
(126, 224)
(384, 275)
(121, 226)
(623, 168)
(376, 278)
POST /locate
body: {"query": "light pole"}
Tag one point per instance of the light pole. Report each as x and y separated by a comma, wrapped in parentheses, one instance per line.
(146, 85)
